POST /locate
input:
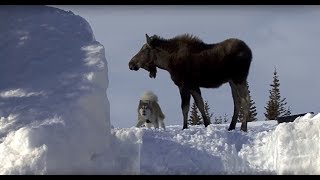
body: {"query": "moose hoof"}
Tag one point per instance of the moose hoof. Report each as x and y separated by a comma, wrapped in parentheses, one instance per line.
(243, 130)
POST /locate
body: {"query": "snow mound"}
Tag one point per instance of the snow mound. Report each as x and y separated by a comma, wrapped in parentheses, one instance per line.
(291, 148)
(267, 148)
(54, 110)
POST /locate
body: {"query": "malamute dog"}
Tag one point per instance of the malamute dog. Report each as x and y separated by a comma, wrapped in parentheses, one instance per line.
(149, 111)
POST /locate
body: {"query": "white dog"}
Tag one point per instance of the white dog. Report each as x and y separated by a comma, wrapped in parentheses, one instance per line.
(149, 111)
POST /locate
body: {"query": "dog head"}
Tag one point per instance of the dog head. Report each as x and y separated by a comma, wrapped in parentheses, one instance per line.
(145, 109)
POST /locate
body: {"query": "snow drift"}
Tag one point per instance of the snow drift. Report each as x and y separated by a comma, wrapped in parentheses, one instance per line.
(53, 103)
(291, 148)
(267, 148)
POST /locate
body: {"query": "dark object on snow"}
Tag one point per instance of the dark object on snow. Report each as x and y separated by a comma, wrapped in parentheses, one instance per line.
(193, 64)
(290, 118)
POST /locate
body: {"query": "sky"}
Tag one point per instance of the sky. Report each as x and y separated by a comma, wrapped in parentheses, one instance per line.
(281, 37)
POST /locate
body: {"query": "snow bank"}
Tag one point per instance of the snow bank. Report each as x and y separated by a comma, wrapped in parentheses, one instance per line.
(196, 151)
(292, 148)
(267, 148)
(54, 110)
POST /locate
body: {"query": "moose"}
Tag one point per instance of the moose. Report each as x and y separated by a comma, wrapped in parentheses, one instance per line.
(193, 64)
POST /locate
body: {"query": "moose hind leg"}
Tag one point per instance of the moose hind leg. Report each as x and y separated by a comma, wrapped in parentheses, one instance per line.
(236, 105)
(185, 105)
(196, 94)
(245, 102)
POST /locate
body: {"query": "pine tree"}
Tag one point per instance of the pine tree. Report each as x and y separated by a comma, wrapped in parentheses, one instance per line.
(225, 118)
(252, 110)
(195, 118)
(218, 120)
(275, 106)
(207, 110)
(288, 112)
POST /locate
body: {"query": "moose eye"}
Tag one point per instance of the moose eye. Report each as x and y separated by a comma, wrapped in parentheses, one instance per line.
(145, 47)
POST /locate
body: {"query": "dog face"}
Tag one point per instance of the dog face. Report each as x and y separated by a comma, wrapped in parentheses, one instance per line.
(145, 109)
(150, 114)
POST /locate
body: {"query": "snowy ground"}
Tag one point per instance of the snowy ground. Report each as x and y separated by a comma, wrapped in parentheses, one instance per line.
(54, 111)
(267, 148)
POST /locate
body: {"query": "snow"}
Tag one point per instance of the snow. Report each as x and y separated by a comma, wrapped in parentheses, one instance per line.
(54, 114)
(291, 148)
(19, 93)
(267, 148)
(54, 110)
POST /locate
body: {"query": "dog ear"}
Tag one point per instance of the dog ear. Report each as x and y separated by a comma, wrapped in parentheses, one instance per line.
(151, 105)
(138, 108)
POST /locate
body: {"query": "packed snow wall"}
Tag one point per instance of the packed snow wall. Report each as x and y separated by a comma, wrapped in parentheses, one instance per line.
(54, 108)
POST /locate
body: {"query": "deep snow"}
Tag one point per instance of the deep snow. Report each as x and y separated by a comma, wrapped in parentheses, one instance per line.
(53, 103)
(267, 148)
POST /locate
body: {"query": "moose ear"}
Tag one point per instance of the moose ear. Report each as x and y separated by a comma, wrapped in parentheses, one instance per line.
(148, 40)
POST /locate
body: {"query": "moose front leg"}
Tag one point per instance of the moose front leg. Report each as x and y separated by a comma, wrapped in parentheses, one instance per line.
(185, 105)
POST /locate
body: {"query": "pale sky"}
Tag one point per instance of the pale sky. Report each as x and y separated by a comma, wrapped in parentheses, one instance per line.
(285, 37)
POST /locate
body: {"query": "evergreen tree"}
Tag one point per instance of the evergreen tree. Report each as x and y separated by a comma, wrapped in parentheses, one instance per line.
(288, 112)
(252, 110)
(275, 106)
(225, 118)
(218, 120)
(207, 110)
(195, 118)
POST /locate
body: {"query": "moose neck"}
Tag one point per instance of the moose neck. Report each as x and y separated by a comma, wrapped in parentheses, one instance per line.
(166, 53)
(163, 62)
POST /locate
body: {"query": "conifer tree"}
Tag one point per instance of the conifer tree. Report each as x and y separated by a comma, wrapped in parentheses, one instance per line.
(207, 110)
(275, 105)
(288, 112)
(195, 118)
(218, 120)
(225, 118)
